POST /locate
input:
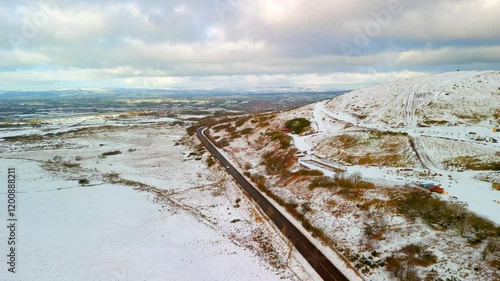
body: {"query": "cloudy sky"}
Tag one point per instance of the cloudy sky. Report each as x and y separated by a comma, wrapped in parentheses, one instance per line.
(327, 44)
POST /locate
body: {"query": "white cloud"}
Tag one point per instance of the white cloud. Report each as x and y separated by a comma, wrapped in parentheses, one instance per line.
(182, 10)
(451, 56)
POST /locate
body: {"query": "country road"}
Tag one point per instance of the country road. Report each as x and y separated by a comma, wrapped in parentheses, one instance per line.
(319, 262)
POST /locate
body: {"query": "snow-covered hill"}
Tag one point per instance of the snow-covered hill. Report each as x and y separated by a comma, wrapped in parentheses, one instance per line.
(447, 99)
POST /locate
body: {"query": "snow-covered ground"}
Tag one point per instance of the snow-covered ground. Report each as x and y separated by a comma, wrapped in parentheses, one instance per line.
(187, 222)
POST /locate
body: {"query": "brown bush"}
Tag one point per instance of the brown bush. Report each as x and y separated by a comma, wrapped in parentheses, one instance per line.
(401, 269)
(246, 131)
(346, 141)
(240, 122)
(283, 139)
(308, 172)
(418, 255)
(278, 162)
(445, 215)
(210, 161)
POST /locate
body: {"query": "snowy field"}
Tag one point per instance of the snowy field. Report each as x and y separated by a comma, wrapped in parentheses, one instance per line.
(183, 223)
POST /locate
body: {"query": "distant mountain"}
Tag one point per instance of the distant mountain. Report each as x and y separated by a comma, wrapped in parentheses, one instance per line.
(166, 92)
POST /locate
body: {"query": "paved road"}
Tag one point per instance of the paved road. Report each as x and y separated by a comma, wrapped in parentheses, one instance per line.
(313, 255)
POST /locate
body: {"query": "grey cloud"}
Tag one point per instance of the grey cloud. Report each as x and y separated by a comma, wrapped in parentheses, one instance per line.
(189, 38)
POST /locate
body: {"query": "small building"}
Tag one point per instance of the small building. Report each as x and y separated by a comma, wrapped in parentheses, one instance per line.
(496, 186)
(286, 130)
(496, 130)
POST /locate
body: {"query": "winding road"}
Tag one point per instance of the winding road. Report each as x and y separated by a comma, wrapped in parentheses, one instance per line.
(319, 262)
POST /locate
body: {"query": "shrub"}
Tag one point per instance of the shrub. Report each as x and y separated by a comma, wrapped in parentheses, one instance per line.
(418, 255)
(275, 164)
(283, 139)
(83, 181)
(346, 185)
(422, 204)
(298, 125)
(402, 269)
(346, 141)
(474, 163)
(210, 161)
(246, 131)
(308, 172)
(110, 153)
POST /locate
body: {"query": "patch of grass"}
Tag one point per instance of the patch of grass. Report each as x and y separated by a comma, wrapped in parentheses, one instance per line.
(112, 176)
(30, 138)
(496, 115)
(246, 131)
(298, 126)
(435, 122)
(419, 255)
(491, 250)
(346, 141)
(444, 215)
(391, 159)
(323, 181)
(473, 118)
(473, 163)
(346, 184)
(284, 140)
(70, 165)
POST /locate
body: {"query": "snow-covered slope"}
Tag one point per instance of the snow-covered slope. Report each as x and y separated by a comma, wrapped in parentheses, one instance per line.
(454, 98)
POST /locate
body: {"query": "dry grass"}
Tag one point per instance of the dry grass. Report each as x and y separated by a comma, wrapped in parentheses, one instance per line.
(371, 149)
(474, 163)
(473, 118)
(496, 115)
(435, 122)
(345, 141)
